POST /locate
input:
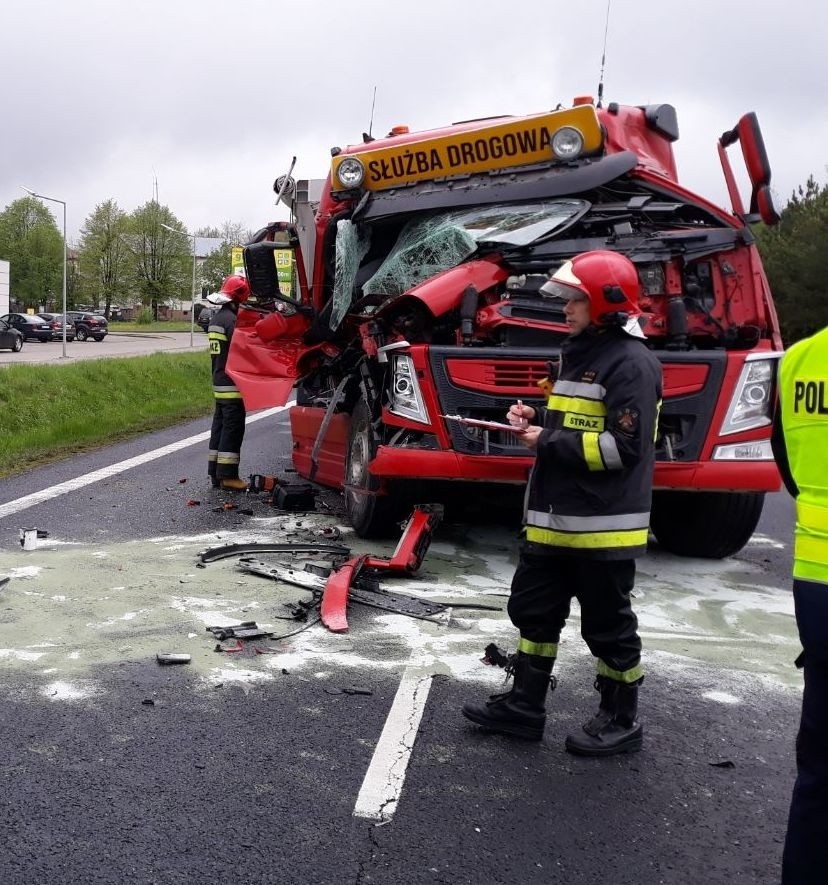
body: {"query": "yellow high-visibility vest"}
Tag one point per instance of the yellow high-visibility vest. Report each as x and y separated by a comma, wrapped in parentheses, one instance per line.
(803, 395)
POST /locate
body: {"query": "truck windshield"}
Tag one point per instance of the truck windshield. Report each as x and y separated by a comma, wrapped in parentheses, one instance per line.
(427, 246)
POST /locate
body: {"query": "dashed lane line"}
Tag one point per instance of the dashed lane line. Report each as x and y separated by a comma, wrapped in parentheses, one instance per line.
(383, 782)
(79, 482)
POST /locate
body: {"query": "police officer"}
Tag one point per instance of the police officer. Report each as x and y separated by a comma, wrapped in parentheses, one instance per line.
(227, 432)
(587, 508)
(800, 444)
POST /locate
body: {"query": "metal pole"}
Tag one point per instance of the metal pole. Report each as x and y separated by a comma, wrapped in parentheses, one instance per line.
(64, 281)
(62, 203)
(192, 303)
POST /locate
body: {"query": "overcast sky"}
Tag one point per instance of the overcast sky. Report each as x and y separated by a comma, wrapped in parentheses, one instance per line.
(210, 100)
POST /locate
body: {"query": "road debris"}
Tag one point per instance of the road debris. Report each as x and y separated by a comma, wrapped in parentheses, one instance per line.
(228, 550)
(172, 658)
(245, 630)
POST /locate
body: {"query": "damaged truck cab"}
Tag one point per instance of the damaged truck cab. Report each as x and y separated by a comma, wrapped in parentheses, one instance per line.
(413, 294)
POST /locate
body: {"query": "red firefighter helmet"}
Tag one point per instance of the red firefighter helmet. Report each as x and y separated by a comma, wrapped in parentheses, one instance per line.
(234, 288)
(610, 282)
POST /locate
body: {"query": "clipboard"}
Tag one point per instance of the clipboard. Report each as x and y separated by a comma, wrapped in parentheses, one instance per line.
(484, 425)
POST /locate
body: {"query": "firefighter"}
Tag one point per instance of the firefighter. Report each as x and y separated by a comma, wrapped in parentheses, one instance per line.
(587, 508)
(227, 432)
(800, 440)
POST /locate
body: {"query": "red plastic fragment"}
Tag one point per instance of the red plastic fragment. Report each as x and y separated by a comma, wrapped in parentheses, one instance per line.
(335, 595)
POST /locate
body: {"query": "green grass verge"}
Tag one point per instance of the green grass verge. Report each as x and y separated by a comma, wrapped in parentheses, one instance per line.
(50, 412)
(166, 326)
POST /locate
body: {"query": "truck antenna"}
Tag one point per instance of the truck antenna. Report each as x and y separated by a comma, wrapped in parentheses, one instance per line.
(603, 57)
(371, 121)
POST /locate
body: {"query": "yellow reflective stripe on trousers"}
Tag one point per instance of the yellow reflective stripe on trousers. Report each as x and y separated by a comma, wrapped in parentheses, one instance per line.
(227, 394)
(541, 649)
(592, 451)
(587, 540)
(625, 676)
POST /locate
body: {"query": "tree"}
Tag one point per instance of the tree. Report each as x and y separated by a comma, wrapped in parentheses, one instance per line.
(105, 259)
(162, 257)
(796, 261)
(217, 265)
(31, 241)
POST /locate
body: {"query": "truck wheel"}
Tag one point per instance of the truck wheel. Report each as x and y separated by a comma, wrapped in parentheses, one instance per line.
(81, 335)
(372, 515)
(711, 525)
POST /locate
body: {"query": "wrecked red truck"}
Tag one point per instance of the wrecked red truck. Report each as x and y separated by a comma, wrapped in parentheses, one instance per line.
(412, 294)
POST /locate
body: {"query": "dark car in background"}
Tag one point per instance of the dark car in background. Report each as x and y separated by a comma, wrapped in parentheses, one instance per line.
(10, 338)
(88, 325)
(203, 319)
(29, 326)
(55, 321)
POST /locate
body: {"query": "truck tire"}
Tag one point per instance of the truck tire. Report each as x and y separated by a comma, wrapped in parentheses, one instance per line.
(711, 525)
(371, 514)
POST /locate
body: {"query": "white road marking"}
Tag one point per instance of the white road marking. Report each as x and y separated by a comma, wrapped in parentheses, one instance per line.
(383, 783)
(79, 482)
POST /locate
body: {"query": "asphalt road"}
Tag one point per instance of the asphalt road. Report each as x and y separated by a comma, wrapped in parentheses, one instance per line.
(114, 345)
(343, 758)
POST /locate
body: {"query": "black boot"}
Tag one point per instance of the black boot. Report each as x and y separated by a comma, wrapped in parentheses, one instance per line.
(522, 710)
(614, 728)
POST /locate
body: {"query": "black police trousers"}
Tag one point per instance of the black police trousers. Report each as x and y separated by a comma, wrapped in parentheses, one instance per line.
(226, 436)
(805, 858)
(544, 585)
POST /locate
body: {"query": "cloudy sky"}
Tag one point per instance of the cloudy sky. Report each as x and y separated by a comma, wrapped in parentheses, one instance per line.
(208, 101)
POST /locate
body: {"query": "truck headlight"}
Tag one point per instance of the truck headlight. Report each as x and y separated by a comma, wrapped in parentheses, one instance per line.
(567, 143)
(406, 398)
(350, 172)
(752, 402)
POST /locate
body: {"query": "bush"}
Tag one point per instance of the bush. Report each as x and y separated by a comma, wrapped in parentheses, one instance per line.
(145, 317)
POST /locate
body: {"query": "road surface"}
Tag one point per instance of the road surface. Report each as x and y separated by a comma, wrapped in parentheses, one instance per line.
(115, 344)
(343, 758)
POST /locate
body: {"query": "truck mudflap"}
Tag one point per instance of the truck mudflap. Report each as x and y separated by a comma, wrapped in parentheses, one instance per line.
(406, 559)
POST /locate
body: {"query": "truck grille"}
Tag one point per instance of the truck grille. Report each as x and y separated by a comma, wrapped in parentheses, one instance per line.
(482, 383)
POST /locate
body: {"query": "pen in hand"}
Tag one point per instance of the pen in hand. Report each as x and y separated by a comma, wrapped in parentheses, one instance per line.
(524, 422)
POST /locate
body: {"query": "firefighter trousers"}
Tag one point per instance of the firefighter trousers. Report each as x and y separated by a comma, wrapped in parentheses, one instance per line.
(543, 587)
(226, 435)
(805, 858)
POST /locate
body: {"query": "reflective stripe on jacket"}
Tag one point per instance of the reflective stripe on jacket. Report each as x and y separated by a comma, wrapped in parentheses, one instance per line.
(590, 489)
(803, 396)
(219, 333)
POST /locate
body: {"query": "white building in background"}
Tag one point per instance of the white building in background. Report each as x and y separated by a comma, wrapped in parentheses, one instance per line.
(4, 287)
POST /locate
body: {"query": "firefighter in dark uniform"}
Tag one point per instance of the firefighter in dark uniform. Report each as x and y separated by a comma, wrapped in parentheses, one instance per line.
(587, 508)
(227, 432)
(800, 444)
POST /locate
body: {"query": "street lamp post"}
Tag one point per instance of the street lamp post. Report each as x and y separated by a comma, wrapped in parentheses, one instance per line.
(62, 203)
(175, 230)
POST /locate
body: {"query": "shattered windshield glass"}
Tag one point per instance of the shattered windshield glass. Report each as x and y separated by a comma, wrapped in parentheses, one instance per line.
(352, 244)
(427, 246)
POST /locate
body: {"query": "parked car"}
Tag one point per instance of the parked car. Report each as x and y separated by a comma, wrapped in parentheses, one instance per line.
(10, 338)
(29, 326)
(88, 325)
(203, 319)
(55, 321)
